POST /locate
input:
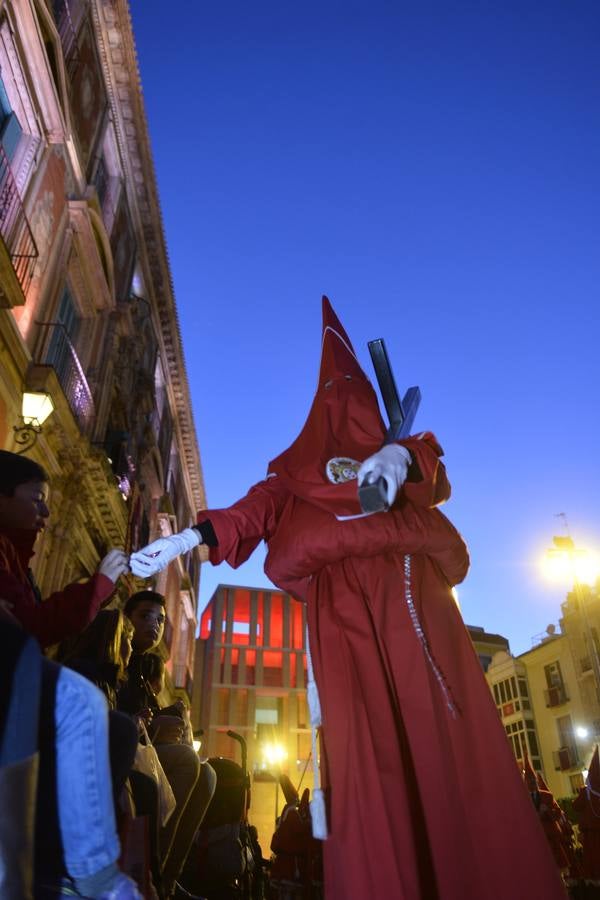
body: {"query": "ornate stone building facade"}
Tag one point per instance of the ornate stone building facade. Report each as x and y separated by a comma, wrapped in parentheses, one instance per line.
(87, 311)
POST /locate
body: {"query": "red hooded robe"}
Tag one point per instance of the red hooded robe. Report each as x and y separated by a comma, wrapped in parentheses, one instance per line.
(549, 814)
(562, 830)
(587, 810)
(425, 800)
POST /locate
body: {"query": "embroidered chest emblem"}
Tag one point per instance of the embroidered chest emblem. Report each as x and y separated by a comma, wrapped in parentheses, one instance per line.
(341, 469)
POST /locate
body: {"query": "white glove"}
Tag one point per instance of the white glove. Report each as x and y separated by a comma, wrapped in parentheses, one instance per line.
(390, 463)
(113, 565)
(157, 555)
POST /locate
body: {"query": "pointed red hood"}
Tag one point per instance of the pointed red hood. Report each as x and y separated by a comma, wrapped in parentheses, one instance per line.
(344, 423)
(338, 359)
(545, 791)
(529, 775)
(541, 783)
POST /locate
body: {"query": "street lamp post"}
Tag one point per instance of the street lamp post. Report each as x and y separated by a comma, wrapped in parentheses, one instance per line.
(36, 406)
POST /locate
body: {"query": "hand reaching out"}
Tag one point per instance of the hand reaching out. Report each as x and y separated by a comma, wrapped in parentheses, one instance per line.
(157, 555)
(113, 565)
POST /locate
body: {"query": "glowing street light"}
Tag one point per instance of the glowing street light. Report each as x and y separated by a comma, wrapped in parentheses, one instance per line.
(274, 754)
(36, 406)
(580, 567)
(566, 562)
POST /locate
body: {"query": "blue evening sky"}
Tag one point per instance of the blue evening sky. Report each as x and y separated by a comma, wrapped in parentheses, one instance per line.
(434, 168)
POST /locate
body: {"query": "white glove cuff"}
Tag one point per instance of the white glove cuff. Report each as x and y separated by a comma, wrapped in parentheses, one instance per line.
(405, 453)
(187, 539)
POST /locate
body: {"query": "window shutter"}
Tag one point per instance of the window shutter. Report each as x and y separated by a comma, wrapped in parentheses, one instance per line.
(11, 134)
(10, 127)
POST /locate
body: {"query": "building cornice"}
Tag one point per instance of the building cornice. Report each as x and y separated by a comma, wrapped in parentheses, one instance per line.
(543, 645)
(121, 71)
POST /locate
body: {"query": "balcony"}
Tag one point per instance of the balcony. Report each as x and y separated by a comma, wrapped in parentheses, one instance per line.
(175, 492)
(165, 436)
(118, 447)
(556, 695)
(58, 352)
(19, 253)
(565, 758)
(68, 15)
(108, 188)
(585, 665)
(101, 181)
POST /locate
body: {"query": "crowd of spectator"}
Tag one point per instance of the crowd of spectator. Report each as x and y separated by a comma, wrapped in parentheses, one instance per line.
(86, 747)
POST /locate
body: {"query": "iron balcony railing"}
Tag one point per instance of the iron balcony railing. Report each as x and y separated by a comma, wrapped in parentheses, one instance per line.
(175, 491)
(165, 437)
(14, 227)
(68, 15)
(565, 758)
(58, 352)
(556, 695)
(585, 664)
(101, 181)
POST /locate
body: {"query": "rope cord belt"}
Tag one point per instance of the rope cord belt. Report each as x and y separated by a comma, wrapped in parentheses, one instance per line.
(414, 617)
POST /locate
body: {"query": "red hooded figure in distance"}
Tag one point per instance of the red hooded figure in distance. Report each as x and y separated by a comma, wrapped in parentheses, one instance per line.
(551, 817)
(587, 810)
(425, 800)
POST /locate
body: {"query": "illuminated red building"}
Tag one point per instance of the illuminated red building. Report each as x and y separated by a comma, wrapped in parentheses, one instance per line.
(250, 676)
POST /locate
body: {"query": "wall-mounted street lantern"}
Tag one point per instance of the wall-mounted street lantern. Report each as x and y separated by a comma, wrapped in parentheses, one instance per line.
(35, 409)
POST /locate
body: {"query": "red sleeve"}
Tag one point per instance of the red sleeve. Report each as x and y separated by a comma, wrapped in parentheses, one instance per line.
(240, 528)
(443, 543)
(63, 614)
(12, 588)
(67, 612)
(427, 483)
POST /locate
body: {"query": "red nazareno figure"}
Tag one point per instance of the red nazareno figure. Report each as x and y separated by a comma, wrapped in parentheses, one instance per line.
(425, 800)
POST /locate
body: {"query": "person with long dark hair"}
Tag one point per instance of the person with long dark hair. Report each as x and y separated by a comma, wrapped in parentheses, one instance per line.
(102, 652)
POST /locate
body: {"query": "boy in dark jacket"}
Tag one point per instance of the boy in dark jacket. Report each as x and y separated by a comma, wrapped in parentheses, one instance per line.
(23, 514)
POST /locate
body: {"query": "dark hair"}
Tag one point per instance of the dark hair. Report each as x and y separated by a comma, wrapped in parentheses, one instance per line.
(151, 666)
(143, 597)
(16, 470)
(102, 640)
